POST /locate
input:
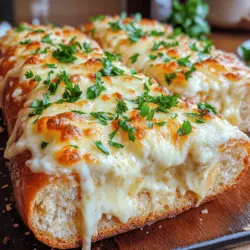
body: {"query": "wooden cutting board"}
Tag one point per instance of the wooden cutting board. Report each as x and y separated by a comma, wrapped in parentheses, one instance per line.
(218, 224)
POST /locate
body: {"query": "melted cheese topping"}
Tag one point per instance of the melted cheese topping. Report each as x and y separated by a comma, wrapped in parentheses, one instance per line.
(219, 79)
(159, 161)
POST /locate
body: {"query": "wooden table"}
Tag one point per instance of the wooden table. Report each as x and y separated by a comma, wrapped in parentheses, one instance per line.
(229, 41)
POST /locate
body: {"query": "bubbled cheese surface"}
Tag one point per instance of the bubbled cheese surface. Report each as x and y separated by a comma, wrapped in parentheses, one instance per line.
(109, 181)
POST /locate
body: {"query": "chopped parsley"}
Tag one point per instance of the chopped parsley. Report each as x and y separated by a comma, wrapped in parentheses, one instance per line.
(27, 41)
(164, 57)
(39, 31)
(150, 83)
(79, 112)
(65, 53)
(121, 107)
(207, 46)
(145, 87)
(112, 135)
(37, 78)
(184, 61)
(165, 44)
(185, 129)
(146, 111)
(206, 108)
(116, 144)
(100, 146)
(137, 17)
(98, 18)
(109, 69)
(87, 48)
(190, 17)
(164, 102)
(115, 26)
(95, 90)
(22, 28)
(112, 57)
(169, 78)
(46, 39)
(71, 93)
(245, 54)
(103, 117)
(29, 74)
(44, 144)
(36, 51)
(160, 123)
(73, 146)
(39, 106)
(193, 46)
(203, 108)
(45, 50)
(152, 57)
(47, 81)
(134, 57)
(134, 33)
(72, 39)
(52, 66)
(125, 126)
(156, 33)
(189, 72)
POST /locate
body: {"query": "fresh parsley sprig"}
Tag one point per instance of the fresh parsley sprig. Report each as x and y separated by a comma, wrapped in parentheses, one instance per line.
(204, 109)
(71, 93)
(65, 53)
(39, 106)
(100, 146)
(185, 129)
(190, 17)
(95, 90)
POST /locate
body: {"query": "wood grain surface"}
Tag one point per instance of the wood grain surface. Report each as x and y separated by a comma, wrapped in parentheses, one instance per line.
(227, 216)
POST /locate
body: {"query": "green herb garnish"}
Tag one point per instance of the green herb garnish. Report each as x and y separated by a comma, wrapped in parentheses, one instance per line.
(169, 78)
(185, 129)
(134, 57)
(95, 90)
(103, 117)
(21, 28)
(27, 41)
(78, 112)
(100, 146)
(65, 53)
(29, 74)
(44, 144)
(97, 18)
(87, 48)
(116, 144)
(46, 39)
(245, 54)
(52, 66)
(190, 17)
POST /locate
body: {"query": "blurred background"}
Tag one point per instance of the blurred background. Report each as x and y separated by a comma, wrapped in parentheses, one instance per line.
(223, 13)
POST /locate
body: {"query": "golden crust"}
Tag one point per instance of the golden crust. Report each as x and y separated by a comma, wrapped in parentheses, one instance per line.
(23, 179)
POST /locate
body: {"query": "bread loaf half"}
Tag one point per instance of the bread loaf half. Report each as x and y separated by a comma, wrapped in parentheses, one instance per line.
(97, 149)
(194, 69)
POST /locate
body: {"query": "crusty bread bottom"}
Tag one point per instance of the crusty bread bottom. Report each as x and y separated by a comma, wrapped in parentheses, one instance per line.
(54, 216)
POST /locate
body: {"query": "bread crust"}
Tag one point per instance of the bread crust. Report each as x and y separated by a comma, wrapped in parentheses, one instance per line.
(24, 182)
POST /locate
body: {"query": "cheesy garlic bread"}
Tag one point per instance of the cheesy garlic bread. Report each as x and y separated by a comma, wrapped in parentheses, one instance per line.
(97, 149)
(188, 67)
